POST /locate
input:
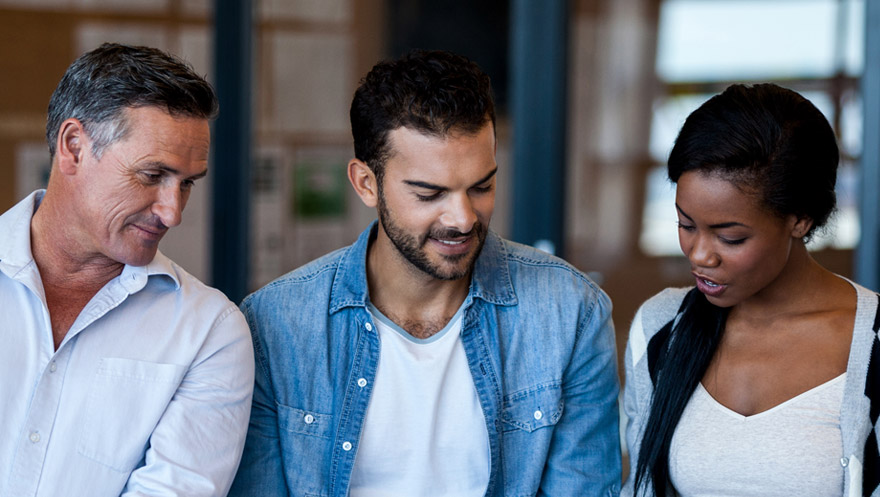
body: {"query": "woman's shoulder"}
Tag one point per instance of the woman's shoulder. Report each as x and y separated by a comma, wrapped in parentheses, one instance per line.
(655, 312)
(651, 317)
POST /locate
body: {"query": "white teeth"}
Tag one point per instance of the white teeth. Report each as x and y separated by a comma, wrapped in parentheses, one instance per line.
(709, 283)
(450, 242)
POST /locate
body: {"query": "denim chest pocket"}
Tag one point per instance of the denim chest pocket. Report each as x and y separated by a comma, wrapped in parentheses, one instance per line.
(306, 443)
(126, 400)
(304, 422)
(533, 408)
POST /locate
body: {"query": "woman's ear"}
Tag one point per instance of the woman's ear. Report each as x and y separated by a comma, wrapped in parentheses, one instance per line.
(801, 227)
(364, 182)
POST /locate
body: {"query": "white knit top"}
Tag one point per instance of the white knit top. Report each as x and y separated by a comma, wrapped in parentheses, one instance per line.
(794, 448)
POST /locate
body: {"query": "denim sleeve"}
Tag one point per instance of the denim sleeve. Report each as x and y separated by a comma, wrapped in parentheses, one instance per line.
(261, 470)
(584, 454)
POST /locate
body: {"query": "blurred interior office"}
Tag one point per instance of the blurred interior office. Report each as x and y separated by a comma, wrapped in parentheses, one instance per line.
(591, 94)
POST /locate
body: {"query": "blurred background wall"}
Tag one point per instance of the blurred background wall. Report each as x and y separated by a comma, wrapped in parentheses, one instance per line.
(631, 72)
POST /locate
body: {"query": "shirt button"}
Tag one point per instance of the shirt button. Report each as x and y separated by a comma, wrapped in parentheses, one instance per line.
(346, 446)
(539, 414)
(844, 462)
(53, 367)
(35, 437)
(368, 326)
(309, 419)
(362, 382)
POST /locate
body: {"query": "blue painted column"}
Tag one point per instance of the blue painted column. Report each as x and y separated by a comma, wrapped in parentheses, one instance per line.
(231, 148)
(867, 270)
(538, 72)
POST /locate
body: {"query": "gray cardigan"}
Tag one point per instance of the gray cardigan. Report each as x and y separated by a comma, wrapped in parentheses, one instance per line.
(855, 413)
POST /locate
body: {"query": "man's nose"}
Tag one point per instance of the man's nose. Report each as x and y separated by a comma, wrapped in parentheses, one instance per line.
(169, 206)
(460, 213)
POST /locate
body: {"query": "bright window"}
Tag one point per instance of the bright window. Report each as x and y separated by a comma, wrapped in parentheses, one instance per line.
(814, 47)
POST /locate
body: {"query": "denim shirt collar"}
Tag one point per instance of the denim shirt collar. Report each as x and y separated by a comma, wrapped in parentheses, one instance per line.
(490, 281)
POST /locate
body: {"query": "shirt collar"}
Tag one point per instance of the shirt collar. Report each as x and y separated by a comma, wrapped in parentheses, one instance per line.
(15, 244)
(490, 281)
(15, 226)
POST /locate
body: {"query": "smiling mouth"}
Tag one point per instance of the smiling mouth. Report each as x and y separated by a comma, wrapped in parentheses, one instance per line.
(151, 232)
(451, 242)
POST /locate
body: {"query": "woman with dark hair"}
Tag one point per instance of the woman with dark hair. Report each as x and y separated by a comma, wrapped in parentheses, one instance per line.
(764, 378)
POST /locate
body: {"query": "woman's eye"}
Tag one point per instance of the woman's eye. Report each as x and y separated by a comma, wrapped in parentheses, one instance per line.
(685, 227)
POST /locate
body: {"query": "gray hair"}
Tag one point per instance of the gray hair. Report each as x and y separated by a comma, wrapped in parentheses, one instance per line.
(99, 85)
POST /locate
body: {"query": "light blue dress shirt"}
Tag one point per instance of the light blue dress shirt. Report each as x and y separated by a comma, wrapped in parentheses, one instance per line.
(148, 394)
(539, 342)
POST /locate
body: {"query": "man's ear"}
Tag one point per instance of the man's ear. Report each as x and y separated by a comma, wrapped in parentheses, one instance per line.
(364, 182)
(70, 146)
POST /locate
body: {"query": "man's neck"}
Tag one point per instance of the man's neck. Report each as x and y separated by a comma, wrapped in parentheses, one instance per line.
(70, 277)
(59, 259)
(416, 301)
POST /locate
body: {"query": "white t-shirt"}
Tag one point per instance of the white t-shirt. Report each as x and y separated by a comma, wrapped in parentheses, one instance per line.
(424, 433)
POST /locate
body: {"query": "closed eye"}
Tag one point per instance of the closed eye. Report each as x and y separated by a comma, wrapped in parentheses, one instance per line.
(685, 227)
(428, 198)
(152, 176)
(483, 189)
(738, 241)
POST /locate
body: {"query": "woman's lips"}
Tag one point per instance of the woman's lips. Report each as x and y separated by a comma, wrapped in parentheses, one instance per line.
(709, 287)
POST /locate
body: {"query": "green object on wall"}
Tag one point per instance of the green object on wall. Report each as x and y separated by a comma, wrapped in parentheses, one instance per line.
(319, 190)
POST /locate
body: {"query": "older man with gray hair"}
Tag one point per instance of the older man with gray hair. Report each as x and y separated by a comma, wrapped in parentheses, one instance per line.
(120, 373)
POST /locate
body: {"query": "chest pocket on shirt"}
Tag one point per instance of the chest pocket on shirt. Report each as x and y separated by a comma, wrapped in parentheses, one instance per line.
(305, 449)
(529, 410)
(126, 400)
(304, 422)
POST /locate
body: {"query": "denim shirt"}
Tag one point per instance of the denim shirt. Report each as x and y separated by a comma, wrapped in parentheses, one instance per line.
(540, 347)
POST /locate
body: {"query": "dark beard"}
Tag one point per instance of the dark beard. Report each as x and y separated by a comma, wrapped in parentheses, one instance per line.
(412, 249)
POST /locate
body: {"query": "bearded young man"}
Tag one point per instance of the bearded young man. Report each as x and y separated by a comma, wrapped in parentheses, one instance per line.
(431, 357)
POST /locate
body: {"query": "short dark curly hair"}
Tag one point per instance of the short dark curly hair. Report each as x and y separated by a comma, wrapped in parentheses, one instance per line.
(100, 84)
(434, 92)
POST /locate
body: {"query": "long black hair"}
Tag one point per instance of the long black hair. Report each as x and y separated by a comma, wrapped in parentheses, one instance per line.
(767, 139)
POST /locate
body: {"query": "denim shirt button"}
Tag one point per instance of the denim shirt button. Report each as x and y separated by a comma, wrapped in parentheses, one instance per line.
(346, 446)
(539, 414)
(309, 419)
(362, 382)
(844, 462)
(368, 326)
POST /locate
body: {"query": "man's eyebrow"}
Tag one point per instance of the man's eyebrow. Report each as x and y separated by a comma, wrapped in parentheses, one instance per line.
(731, 224)
(168, 169)
(431, 186)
